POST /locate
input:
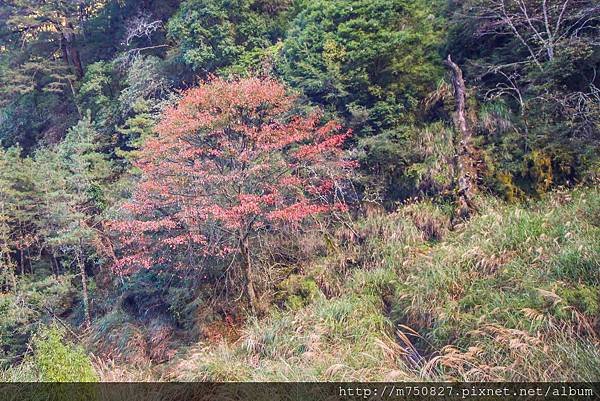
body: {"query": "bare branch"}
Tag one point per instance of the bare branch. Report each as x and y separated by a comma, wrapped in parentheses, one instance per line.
(141, 26)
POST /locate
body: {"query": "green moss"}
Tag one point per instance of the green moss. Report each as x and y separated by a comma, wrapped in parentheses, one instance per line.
(506, 187)
(585, 299)
(297, 291)
(537, 168)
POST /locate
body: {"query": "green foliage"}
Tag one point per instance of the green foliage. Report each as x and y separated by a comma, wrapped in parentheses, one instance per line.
(145, 81)
(538, 170)
(217, 34)
(35, 117)
(510, 295)
(508, 263)
(339, 339)
(34, 301)
(136, 130)
(371, 61)
(297, 291)
(17, 212)
(505, 185)
(409, 161)
(70, 177)
(546, 83)
(96, 93)
(40, 63)
(57, 361)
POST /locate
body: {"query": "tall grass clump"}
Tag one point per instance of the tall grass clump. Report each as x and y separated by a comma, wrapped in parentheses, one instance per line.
(516, 278)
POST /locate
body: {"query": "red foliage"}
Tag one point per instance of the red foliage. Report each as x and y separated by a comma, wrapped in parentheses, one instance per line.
(229, 161)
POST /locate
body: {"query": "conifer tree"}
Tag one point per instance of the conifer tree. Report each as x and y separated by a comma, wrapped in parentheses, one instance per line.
(70, 178)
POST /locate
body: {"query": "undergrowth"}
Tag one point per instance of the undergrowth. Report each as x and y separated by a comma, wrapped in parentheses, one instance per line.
(513, 294)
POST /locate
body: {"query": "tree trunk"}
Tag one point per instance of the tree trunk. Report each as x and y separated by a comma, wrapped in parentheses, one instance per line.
(28, 257)
(86, 298)
(76, 62)
(465, 158)
(71, 51)
(54, 262)
(249, 275)
(63, 50)
(14, 281)
(21, 262)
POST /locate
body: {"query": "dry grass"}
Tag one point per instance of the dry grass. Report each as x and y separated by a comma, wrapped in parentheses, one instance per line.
(512, 295)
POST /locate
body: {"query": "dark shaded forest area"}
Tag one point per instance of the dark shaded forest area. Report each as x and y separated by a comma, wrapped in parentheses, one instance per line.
(299, 190)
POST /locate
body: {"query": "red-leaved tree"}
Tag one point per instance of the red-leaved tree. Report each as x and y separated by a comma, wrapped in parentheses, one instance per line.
(231, 161)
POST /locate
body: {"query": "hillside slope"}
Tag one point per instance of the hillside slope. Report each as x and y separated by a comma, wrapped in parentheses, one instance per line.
(511, 295)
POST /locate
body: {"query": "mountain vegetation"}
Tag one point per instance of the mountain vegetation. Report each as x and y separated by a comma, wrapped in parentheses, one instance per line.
(299, 190)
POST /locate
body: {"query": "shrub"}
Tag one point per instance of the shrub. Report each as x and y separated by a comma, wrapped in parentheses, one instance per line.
(56, 360)
(34, 302)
